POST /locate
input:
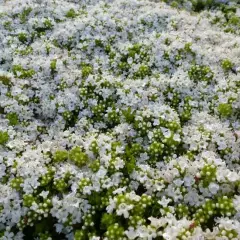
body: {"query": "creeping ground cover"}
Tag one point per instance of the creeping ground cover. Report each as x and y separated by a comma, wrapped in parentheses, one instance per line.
(119, 119)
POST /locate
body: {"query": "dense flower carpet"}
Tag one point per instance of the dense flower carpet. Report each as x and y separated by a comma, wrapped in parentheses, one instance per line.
(119, 119)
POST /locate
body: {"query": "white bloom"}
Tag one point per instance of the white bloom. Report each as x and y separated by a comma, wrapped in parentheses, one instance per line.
(233, 176)
(157, 223)
(236, 202)
(111, 206)
(95, 238)
(59, 228)
(123, 209)
(131, 233)
(213, 188)
(44, 194)
(164, 201)
(119, 190)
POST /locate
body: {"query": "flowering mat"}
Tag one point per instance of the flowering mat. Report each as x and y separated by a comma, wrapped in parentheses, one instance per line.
(119, 119)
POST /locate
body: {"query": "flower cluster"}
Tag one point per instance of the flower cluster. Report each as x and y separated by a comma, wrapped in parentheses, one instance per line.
(119, 119)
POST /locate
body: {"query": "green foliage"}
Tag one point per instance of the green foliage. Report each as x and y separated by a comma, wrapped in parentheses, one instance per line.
(44, 235)
(229, 233)
(136, 220)
(113, 117)
(86, 70)
(205, 212)
(22, 73)
(28, 200)
(48, 24)
(95, 165)
(5, 80)
(225, 109)
(83, 183)
(196, 5)
(28, 50)
(16, 183)
(128, 115)
(24, 14)
(136, 152)
(12, 118)
(60, 156)
(182, 211)
(107, 220)
(187, 110)
(225, 206)
(199, 5)
(53, 65)
(142, 72)
(78, 156)
(208, 174)
(47, 178)
(60, 185)
(200, 73)
(141, 206)
(3, 137)
(71, 13)
(7, 25)
(22, 37)
(114, 232)
(226, 65)
(94, 147)
(139, 53)
(80, 235)
(40, 30)
(156, 148)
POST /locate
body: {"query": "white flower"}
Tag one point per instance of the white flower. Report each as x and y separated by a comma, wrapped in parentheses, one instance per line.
(119, 190)
(101, 173)
(59, 227)
(157, 223)
(95, 238)
(236, 202)
(111, 206)
(119, 163)
(164, 201)
(178, 182)
(189, 181)
(44, 194)
(131, 233)
(87, 190)
(124, 73)
(233, 176)
(213, 188)
(123, 209)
